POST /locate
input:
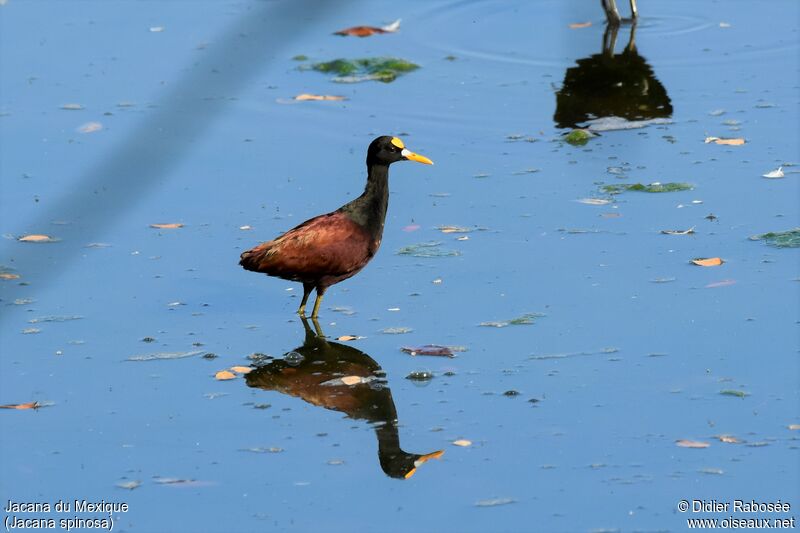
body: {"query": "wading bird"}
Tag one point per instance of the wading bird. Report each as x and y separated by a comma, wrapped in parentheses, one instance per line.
(331, 248)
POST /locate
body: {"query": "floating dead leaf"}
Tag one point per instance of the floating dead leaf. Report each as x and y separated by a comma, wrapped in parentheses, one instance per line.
(72, 107)
(8, 275)
(318, 97)
(366, 31)
(163, 355)
(170, 225)
(777, 173)
(714, 471)
(453, 229)
(54, 318)
(594, 201)
(411, 227)
(181, 482)
(30, 405)
(224, 375)
(462, 442)
(723, 283)
(429, 349)
(493, 502)
(734, 392)
(396, 331)
(708, 262)
(245, 227)
(346, 338)
(737, 141)
(242, 369)
(351, 380)
(129, 485)
(578, 25)
(677, 231)
(794, 427)
(684, 443)
(90, 127)
(730, 439)
(36, 238)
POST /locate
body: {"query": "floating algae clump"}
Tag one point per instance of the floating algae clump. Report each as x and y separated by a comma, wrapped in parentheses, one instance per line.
(780, 239)
(653, 187)
(385, 69)
(578, 137)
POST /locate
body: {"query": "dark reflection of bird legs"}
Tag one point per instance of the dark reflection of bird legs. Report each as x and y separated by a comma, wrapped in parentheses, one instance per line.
(612, 13)
(342, 378)
(610, 40)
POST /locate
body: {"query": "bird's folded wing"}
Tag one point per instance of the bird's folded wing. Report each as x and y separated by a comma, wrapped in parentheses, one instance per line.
(328, 245)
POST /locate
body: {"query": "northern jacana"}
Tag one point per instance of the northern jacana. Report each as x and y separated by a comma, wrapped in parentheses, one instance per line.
(330, 248)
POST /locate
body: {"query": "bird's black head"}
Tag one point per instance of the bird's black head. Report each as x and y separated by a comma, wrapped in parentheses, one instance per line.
(386, 150)
(401, 465)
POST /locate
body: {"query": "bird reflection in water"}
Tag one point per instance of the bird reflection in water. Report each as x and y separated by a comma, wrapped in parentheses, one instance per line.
(611, 85)
(342, 378)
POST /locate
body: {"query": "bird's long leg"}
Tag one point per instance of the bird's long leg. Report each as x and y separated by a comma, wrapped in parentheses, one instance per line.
(634, 11)
(612, 13)
(318, 301)
(307, 288)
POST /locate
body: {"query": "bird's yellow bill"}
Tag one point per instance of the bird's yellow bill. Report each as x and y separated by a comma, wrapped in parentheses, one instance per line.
(411, 156)
(423, 459)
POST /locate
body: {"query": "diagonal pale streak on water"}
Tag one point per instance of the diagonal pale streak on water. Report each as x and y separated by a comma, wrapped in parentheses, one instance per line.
(144, 157)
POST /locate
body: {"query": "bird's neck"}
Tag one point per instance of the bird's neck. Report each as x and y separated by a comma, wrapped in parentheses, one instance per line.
(369, 209)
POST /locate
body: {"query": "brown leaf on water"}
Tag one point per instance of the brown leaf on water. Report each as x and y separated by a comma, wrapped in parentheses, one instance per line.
(708, 262)
(171, 225)
(346, 338)
(8, 275)
(730, 439)
(90, 127)
(677, 231)
(794, 427)
(36, 238)
(462, 442)
(318, 97)
(31, 405)
(684, 443)
(242, 369)
(738, 141)
(577, 25)
(224, 375)
(453, 229)
(366, 31)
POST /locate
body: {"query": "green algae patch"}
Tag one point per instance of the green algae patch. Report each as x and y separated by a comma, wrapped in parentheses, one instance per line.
(384, 69)
(578, 137)
(780, 239)
(522, 320)
(427, 249)
(616, 188)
